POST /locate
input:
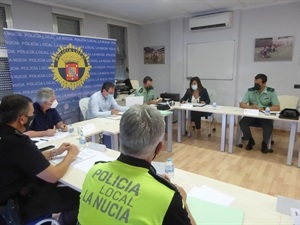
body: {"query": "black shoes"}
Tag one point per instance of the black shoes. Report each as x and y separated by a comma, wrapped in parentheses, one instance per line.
(264, 148)
(250, 144)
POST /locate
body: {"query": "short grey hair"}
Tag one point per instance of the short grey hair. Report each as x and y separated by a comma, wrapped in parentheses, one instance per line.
(141, 129)
(44, 94)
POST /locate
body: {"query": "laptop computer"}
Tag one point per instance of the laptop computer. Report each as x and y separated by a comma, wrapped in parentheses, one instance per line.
(134, 100)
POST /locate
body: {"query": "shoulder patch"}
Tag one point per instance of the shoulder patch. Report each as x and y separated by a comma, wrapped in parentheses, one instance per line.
(270, 89)
(251, 89)
(141, 90)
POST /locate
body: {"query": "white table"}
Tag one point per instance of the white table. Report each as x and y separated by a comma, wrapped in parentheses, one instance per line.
(230, 112)
(258, 208)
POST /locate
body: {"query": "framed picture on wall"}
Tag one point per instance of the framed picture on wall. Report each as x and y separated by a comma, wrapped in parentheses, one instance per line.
(274, 48)
(154, 55)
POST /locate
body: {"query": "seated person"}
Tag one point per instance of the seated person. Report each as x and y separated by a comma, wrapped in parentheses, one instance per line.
(26, 175)
(103, 104)
(147, 90)
(128, 190)
(196, 93)
(46, 119)
(259, 97)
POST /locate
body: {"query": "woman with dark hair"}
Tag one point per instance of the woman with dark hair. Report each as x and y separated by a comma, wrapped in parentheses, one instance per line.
(196, 93)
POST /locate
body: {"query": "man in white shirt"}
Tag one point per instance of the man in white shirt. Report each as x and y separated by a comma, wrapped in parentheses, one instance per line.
(103, 104)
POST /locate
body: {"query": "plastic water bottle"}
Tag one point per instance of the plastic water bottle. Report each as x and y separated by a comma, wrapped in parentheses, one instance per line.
(214, 105)
(82, 141)
(169, 168)
(267, 111)
(71, 130)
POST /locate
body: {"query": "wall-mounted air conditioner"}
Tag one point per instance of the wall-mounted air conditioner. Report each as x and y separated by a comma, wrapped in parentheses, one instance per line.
(218, 20)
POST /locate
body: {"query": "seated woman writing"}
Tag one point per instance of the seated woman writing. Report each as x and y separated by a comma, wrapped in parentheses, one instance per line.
(196, 93)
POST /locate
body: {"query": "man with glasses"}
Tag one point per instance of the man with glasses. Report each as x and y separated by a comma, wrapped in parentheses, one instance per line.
(27, 178)
(47, 119)
(259, 97)
(103, 104)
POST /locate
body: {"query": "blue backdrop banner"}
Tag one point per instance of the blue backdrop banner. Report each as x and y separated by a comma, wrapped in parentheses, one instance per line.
(73, 66)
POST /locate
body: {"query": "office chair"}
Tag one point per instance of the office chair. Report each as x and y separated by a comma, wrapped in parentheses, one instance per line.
(11, 215)
(83, 105)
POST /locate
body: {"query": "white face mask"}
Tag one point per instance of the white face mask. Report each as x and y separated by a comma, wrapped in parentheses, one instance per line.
(54, 104)
(194, 87)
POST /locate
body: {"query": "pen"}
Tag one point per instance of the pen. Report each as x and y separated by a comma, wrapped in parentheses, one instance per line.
(43, 139)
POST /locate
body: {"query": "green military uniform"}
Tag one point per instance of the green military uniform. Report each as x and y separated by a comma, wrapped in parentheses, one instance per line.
(266, 98)
(148, 95)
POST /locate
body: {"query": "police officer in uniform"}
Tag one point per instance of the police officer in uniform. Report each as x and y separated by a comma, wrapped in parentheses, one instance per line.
(128, 190)
(259, 97)
(27, 177)
(148, 92)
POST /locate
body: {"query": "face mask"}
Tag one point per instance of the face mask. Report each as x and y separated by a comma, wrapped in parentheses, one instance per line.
(29, 122)
(54, 104)
(148, 88)
(194, 87)
(257, 87)
(110, 96)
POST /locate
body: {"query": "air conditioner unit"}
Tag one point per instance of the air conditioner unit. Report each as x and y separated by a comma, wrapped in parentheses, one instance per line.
(218, 20)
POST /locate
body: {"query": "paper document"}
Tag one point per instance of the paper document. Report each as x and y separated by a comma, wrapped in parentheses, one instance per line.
(186, 105)
(87, 164)
(57, 135)
(253, 112)
(83, 155)
(88, 128)
(207, 213)
(295, 216)
(114, 117)
(211, 195)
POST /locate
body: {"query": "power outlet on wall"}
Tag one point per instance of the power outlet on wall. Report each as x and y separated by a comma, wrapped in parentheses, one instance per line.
(297, 86)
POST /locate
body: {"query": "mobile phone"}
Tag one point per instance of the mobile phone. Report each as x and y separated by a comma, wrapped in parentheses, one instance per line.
(47, 148)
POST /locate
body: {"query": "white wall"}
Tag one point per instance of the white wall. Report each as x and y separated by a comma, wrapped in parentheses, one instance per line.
(271, 21)
(155, 35)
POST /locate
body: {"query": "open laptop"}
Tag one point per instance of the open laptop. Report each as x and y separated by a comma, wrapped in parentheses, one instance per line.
(134, 100)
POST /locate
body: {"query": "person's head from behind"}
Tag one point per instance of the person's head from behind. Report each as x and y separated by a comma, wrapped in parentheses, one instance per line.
(260, 81)
(108, 90)
(17, 110)
(147, 81)
(195, 83)
(142, 130)
(46, 98)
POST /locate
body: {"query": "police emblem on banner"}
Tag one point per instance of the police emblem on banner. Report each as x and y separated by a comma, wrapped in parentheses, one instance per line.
(70, 66)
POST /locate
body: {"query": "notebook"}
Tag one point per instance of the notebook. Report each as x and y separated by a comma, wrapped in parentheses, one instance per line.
(134, 100)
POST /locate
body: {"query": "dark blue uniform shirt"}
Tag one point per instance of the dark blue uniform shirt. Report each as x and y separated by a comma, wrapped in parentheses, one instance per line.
(44, 121)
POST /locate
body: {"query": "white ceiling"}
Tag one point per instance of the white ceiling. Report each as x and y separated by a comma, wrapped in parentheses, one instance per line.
(151, 11)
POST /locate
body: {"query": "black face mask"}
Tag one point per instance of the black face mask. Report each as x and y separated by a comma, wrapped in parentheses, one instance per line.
(257, 87)
(29, 121)
(148, 88)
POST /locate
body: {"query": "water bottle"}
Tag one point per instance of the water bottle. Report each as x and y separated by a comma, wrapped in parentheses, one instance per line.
(214, 105)
(82, 141)
(267, 111)
(169, 168)
(71, 130)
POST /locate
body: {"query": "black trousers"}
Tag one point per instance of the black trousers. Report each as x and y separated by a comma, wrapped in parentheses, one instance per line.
(266, 124)
(196, 118)
(46, 199)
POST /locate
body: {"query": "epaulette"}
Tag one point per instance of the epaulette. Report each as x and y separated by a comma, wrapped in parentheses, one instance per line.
(270, 89)
(162, 180)
(141, 90)
(251, 89)
(101, 162)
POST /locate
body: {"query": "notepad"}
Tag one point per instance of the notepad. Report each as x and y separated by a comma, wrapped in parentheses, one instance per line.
(207, 213)
(84, 154)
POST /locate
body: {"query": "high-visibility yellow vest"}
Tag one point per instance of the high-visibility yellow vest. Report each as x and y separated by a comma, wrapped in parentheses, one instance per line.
(118, 193)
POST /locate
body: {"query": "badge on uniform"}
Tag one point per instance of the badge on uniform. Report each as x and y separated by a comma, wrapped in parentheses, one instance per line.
(141, 90)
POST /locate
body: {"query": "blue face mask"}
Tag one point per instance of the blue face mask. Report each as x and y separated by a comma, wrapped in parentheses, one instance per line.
(110, 96)
(194, 87)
